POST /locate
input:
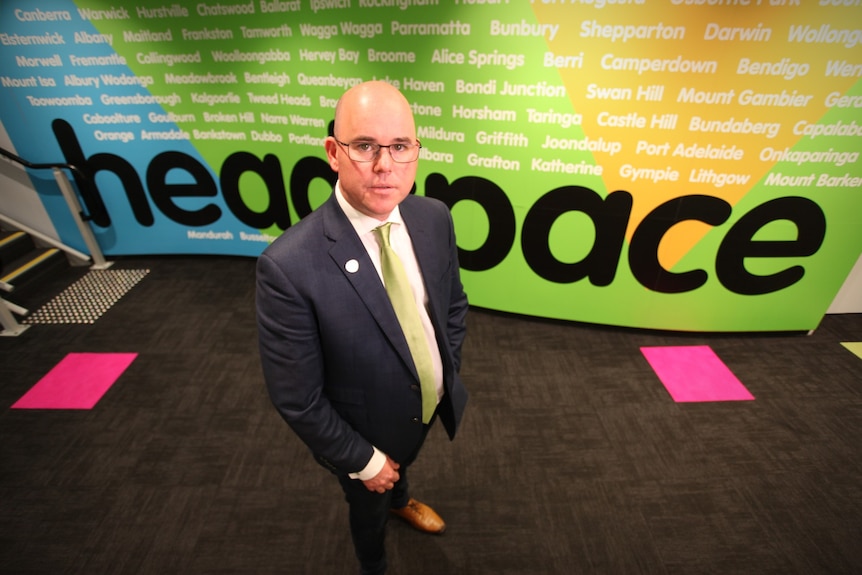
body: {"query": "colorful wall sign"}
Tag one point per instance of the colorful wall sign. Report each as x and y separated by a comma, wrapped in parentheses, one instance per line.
(670, 164)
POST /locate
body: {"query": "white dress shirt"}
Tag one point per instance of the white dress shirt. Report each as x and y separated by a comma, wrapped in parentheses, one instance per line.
(399, 239)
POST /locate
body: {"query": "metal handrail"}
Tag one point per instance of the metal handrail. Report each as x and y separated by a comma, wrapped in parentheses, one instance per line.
(28, 164)
(78, 214)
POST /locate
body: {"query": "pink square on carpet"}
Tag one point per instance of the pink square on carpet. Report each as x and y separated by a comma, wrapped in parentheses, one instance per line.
(78, 382)
(695, 373)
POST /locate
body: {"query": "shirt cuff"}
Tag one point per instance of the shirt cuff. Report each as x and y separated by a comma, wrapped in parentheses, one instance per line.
(375, 464)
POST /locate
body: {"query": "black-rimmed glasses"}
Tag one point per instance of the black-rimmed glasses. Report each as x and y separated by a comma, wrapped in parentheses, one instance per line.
(403, 153)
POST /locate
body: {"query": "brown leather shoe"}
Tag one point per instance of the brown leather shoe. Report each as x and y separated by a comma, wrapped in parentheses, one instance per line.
(421, 517)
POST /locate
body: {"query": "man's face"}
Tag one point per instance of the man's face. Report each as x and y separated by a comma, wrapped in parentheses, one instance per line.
(380, 115)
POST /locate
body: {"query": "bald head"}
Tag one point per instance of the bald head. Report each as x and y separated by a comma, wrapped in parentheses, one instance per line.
(373, 101)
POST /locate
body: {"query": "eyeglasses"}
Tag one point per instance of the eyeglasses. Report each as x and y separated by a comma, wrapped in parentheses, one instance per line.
(368, 151)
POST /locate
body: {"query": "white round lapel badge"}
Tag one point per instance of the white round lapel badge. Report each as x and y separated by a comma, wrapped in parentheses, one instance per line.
(352, 266)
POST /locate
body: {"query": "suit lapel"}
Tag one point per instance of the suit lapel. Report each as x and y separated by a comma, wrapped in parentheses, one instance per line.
(426, 249)
(346, 248)
(427, 246)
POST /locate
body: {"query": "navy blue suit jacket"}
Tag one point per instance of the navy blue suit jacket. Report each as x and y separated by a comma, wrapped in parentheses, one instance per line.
(335, 361)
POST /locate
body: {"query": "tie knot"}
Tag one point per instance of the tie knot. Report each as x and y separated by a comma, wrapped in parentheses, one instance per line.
(383, 233)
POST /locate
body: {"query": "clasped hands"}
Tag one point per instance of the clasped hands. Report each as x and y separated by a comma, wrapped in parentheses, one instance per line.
(385, 479)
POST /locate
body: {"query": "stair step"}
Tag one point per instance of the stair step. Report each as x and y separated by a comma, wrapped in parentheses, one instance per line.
(13, 245)
(10, 237)
(36, 263)
(31, 275)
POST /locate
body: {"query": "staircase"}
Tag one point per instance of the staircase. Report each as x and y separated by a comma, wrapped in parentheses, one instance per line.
(31, 263)
(29, 275)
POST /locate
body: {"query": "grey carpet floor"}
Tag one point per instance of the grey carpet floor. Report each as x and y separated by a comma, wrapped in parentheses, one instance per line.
(572, 457)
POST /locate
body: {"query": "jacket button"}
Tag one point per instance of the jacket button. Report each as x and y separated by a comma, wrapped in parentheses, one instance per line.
(414, 387)
(415, 420)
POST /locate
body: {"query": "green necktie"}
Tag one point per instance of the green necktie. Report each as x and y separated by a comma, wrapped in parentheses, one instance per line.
(398, 289)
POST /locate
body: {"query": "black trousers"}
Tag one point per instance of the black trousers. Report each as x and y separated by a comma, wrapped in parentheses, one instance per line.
(369, 513)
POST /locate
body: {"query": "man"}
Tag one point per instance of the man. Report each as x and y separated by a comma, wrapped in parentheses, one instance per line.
(336, 360)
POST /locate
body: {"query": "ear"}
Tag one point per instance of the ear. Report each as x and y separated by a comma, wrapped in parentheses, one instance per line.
(331, 147)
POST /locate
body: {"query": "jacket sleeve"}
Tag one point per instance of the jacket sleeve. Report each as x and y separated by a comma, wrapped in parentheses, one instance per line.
(294, 371)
